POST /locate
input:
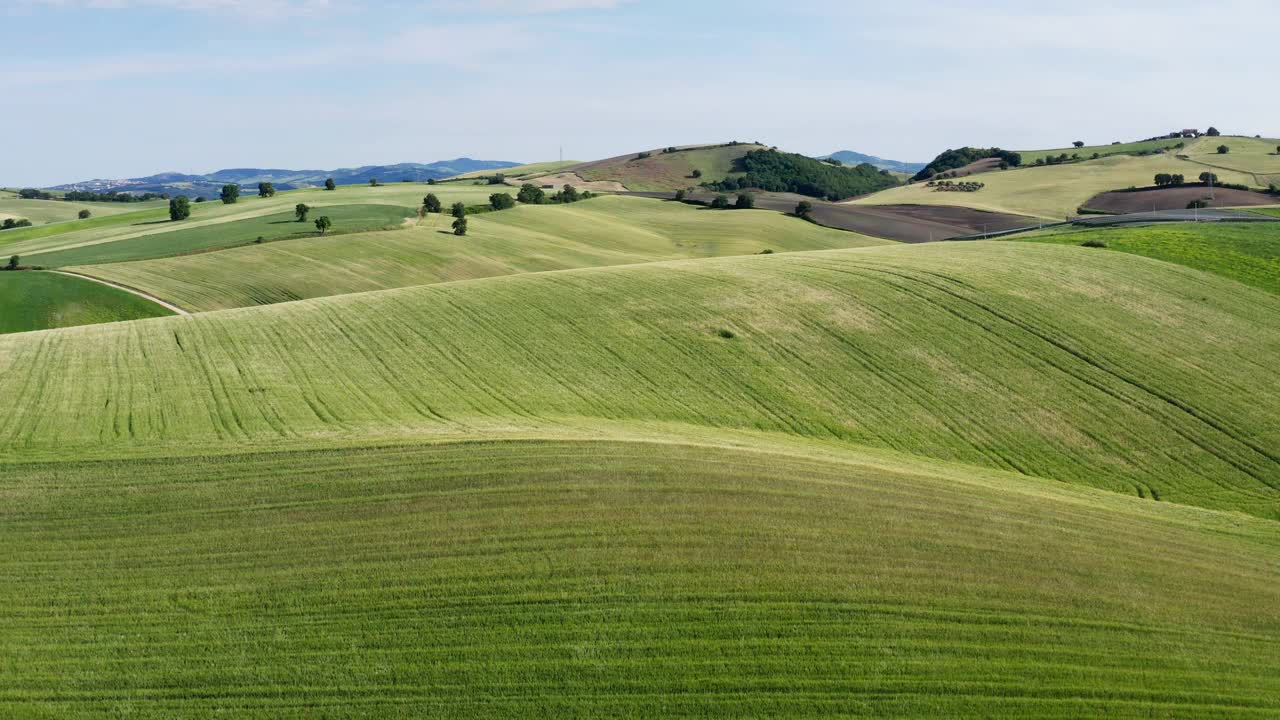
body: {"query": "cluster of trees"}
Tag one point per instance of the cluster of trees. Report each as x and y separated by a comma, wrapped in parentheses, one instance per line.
(1167, 179)
(1057, 159)
(11, 223)
(962, 186)
(34, 194)
(788, 172)
(121, 197)
(745, 201)
(958, 158)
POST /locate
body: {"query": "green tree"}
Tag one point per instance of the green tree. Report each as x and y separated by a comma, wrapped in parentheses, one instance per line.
(803, 208)
(431, 181)
(1212, 132)
(230, 194)
(83, 214)
(501, 201)
(179, 208)
(1208, 177)
(200, 199)
(432, 203)
(720, 202)
(373, 182)
(680, 196)
(1223, 149)
(569, 194)
(531, 194)
(13, 262)
(1078, 143)
(745, 201)
(323, 223)
(460, 226)
(300, 211)
(266, 189)
(330, 184)
(696, 174)
(458, 210)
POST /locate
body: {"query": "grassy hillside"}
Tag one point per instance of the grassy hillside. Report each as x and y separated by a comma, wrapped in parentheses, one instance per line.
(29, 242)
(1053, 192)
(42, 212)
(604, 231)
(39, 301)
(520, 171)
(1255, 156)
(1089, 367)
(1249, 253)
(181, 239)
(1029, 157)
(666, 171)
(611, 579)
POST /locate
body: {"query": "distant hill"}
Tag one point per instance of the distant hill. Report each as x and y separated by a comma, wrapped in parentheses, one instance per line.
(211, 183)
(849, 157)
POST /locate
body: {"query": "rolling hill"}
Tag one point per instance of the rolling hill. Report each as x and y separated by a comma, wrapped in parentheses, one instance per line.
(849, 157)
(40, 301)
(654, 170)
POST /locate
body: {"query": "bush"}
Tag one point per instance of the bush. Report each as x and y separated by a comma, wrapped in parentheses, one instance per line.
(643, 155)
(1197, 204)
(531, 194)
(501, 201)
(725, 333)
(720, 202)
(83, 214)
(680, 195)
(460, 226)
(745, 201)
(803, 208)
(766, 251)
(1093, 243)
(696, 173)
(1223, 149)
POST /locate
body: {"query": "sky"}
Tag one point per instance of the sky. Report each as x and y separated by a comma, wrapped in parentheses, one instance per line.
(124, 88)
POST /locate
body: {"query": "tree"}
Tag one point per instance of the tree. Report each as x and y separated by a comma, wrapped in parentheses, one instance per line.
(323, 223)
(13, 262)
(84, 214)
(373, 182)
(745, 201)
(432, 203)
(179, 208)
(266, 189)
(1208, 177)
(696, 174)
(330, 184)
(431, 181)
(1212, 132)
(230, 193)
(460, 226)
(720, 202)
(531, 194)
(679, 196)
(200, 199)
(803, 208)
(501, 201)
(1163, 179)
(1223, 149)
(569, 194)
(498, 179)
(1078, 143)
(300, 211)
(459, 210)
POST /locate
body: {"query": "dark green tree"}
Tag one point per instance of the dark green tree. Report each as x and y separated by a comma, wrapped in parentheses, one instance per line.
(1212, 132)
(200, 199)
(323, 223)
(230, 194)
(1208, 177)
(83, 214)
(1078, 143)
(720, 202)
(501, 201)
(330, 184)
(300, 211)
(696, 174)
(679, 196)
(458, 210)
(745, 201)
(13, 262)
(803, 208)
(373, 182)
(179, 208)
(1223, 149)
(266, 189)
(531, 194)
(460, 226)
(569, 194)
(432, 203)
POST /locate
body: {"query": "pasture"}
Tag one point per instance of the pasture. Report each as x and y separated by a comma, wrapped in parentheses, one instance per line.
(44, 212)
(1051, 192)
(1029, 157)
(39, 301)
(1254, 156)
(603, 231)
(1094, 368)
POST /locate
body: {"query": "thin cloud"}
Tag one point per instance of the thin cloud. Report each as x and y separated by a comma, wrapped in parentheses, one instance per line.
(254, 8)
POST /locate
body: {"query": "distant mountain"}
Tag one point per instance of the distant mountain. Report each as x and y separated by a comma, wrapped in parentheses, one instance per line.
(849, 157)
(211, 183)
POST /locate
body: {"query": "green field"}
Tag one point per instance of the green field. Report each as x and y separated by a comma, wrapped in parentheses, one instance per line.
(183, 240)
(1052, 192)
(1029, 157)
(1254, 156)
(520, 171)
(39, 301)
(604, 231)
(43, 212)
(1249, 253)
(610, 578)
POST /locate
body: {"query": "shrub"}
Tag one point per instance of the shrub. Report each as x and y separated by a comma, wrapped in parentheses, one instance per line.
(696, 173)
(460, 226)
(725, 333)
(83, 214)
(680, 195)
(643, 155)
(745, 201)
(766, 251)
(501, 201)
(720, 202)
(1223, 149)
(803, 208)
(260, 240)
(1093, 243)
(531, 194)
(200, 199)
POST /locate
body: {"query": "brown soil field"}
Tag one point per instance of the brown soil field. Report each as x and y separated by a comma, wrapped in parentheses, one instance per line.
(561, 179)
(903, 223)
(1175, 198)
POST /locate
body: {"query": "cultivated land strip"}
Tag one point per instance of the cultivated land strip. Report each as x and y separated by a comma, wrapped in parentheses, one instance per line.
(132, 291)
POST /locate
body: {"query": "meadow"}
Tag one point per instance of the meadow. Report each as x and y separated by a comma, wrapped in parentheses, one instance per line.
(1016, 356)
(1052, 192)
(603, 231)
(1029, 157)
(39, 301)
(619, 578)
(44, 212)
(1254, 156)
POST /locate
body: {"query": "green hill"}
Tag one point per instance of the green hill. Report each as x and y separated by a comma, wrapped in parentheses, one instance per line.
(603, 231)
(40, 301)
(661, 170)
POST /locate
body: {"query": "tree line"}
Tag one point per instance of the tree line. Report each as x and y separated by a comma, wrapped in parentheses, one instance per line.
(959, 157)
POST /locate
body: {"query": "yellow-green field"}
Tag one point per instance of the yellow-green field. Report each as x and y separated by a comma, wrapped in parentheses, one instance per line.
(43, 212)
(521, 171)
(1052, 192)
(602, 231)
(1029, 157)
(1255, 156)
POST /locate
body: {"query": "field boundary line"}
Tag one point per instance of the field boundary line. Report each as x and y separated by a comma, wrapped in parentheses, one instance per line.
(132, 291)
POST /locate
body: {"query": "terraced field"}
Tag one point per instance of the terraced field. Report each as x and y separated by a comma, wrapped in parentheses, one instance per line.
(40, 301)
(1052, 192)
(565, 577)
(603, 231)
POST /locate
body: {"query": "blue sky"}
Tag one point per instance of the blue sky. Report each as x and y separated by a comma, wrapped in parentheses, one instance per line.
(118, 88)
